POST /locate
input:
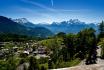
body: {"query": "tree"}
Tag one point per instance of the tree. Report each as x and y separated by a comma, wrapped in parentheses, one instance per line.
(87, 44)
(43, 68)
(50, 64)
(69, 43)
(33, 64)
(61, 34)
(101, 30)
(11, 65)
(101, 45)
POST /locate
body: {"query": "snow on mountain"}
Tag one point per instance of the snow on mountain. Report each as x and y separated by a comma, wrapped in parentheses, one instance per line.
(70, 26)
(21, 20)
(24, 21)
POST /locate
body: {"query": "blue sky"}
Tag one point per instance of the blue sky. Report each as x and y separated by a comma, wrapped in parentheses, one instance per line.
(38, 11)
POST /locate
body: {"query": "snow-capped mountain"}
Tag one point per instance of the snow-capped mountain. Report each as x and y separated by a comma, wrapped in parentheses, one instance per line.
(70, 26)
(24, 21)
(21, 20)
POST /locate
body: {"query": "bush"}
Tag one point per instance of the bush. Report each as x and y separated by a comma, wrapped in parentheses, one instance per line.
(43, 68)
(43, 60)
(23, 55)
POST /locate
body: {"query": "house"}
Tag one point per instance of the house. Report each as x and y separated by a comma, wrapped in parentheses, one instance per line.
(40, 50)
(26, 52)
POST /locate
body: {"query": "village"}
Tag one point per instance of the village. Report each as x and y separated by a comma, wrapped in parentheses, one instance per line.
(23, 49)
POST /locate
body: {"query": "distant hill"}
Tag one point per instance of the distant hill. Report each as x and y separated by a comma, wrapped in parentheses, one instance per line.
(41, 32)
(9, 26)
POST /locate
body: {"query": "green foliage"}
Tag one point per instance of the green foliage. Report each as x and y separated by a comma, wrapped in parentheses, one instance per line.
(70, 47)
(101, 30)
(101, 44)
(69, 63)
(33, 64)
(10, 64)
(23, 55)
(50, 64)
(43, 66)
(13, 37)
(3, 65)
(9, 45)
(61, 34)
(87, 45)
(42, 60)
(5, 37)
(22, 61)
(52, 44)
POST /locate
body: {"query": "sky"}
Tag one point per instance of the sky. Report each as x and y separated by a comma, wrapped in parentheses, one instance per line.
(48, 11)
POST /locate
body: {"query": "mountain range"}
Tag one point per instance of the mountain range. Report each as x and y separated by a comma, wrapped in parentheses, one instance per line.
(24, 27)
(7, 25)
(71, 26)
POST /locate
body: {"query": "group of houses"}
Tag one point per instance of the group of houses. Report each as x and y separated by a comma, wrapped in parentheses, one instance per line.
(29, 48)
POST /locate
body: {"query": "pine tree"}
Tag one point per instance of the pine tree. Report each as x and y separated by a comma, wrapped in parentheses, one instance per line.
(101, 30)
(88, 44)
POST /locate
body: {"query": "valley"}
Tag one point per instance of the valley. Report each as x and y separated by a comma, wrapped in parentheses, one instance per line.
(59, 46)
(51, 34)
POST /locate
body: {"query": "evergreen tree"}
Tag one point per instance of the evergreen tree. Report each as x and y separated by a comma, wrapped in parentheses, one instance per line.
(101, 45)
(101, 30)
(87, 45)
(69, 43)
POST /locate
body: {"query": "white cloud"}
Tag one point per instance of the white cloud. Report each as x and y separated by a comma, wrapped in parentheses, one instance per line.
(52, 9)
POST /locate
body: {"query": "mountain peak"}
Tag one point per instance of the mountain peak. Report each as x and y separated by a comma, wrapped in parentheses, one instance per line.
(74, 20)
(24, 22)
(71, 21)
(21, 20)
